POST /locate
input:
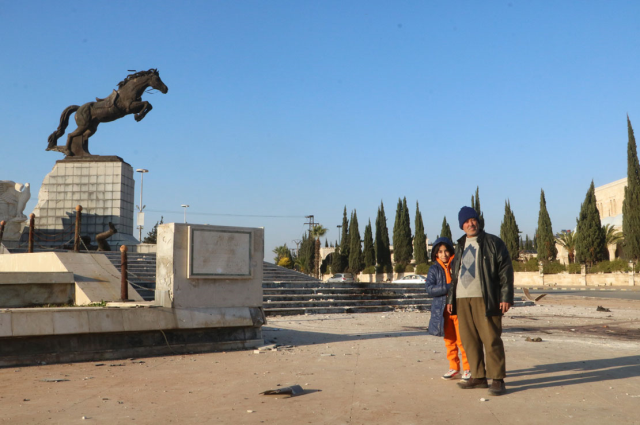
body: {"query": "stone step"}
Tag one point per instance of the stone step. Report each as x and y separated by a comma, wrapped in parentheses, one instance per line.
(354, 291)
(339, 310)
(347, 303)
(331, 285)
(335, 297)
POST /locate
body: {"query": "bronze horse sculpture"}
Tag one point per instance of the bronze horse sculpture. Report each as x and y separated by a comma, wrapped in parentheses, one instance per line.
(123, 101)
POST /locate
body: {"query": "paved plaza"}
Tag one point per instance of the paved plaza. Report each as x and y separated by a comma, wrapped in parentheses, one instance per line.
(376, 368)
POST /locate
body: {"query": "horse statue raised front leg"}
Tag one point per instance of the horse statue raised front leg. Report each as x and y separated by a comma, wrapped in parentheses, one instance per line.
(124, 101)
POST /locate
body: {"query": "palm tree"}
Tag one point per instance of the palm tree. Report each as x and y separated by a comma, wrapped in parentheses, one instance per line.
(318, 231)
(568, 241)
(611, 235)
(281, 252)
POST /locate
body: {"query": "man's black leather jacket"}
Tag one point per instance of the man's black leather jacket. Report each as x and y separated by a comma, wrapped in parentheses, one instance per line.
(495, 272)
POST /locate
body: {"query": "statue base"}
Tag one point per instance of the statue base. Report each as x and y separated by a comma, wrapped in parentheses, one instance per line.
(102, 185)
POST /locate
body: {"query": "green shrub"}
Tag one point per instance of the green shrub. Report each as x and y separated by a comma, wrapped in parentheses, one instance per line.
(422, 269)
(618, 265)
(285, 262)
(553, 267)
(528, 266)
(369, 270)
(409, 269)
(399, 268)
(574, 268)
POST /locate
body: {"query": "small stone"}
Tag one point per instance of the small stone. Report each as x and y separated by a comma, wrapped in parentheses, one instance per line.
(249, 411)
(483, 399)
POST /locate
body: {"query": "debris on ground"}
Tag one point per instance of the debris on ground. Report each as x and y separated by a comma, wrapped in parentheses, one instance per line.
(537, 339)
(530, 297)
(54, 380)
(294, 390)
(600, 308)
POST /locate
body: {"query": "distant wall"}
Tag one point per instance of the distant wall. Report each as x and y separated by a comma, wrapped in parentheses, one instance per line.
(533, 279)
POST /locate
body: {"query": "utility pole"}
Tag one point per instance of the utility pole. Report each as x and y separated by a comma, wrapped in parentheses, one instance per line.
(297, 242)
(311, 223)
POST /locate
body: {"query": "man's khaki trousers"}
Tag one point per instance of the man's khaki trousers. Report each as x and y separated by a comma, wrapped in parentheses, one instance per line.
(478, 330)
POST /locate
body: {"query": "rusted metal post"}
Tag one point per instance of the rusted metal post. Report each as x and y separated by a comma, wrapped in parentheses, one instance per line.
(76, 241)
(2, 223)
(32, 225)
(124, 287)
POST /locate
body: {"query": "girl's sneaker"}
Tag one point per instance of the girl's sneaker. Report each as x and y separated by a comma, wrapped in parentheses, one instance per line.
(466, 375)
(450, 374)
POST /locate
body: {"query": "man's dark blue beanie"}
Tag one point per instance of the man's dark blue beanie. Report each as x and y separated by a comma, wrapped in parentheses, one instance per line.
(465, 214)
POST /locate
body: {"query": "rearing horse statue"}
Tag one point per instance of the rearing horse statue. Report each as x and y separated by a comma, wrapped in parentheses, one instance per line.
(123, 101)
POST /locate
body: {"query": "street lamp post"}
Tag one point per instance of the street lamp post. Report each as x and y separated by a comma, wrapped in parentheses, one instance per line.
(142, 171)
(185, 211)
(339, 226)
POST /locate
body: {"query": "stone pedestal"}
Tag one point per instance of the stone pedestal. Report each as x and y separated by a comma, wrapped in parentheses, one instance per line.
(203, 266)
(103, 185)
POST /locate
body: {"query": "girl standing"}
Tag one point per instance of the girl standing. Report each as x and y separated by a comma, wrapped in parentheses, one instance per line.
(442, 323)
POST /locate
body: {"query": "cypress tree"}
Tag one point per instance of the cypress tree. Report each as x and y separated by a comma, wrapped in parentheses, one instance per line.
(631, 203)
(307, 254)
(355, 256)
(420, 241)
(377, 242)
(590, 238)
(528, 244)
(406, 232)
(445, 232)
(509, 232)
(397, 233)
(345, 242)
(369, 253)
(383, 250)
(475, 204)
(317, 258)
(545, 240)
(336, 261)
(326, 243)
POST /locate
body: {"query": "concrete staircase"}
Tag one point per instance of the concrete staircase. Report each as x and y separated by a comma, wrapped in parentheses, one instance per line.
(287, 292)
(141, 270)
(282, 299)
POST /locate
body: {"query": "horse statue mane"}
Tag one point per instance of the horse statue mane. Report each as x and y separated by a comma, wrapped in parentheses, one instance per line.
(136, 75)
(127, 99)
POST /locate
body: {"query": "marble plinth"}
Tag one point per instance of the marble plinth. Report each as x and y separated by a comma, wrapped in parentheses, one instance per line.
(203, 266)
(103, 185)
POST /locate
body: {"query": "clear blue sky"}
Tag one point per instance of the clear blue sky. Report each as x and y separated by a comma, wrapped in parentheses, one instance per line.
(291, 108)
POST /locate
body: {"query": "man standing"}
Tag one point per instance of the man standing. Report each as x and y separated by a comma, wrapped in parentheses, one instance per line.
(481, 292)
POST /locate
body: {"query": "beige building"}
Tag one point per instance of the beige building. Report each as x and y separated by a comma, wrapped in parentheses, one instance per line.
(609, 199)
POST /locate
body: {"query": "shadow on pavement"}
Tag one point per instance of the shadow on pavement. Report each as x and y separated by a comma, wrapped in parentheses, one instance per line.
(299, 337)
(574, 373)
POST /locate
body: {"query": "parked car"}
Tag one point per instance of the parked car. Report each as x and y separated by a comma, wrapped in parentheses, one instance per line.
(411, 278)
(341, 277)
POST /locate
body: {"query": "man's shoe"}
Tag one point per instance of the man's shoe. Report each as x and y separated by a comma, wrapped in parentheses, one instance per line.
(450, 374)
(497, 387)
(473, 383)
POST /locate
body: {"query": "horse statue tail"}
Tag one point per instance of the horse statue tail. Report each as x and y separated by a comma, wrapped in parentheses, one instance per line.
(64, 122)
